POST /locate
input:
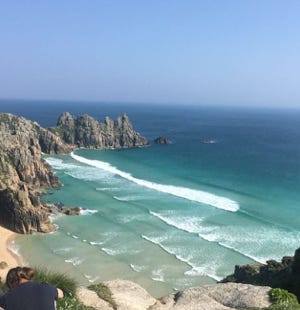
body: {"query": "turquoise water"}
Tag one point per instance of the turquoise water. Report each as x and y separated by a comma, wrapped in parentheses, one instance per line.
(225, 192)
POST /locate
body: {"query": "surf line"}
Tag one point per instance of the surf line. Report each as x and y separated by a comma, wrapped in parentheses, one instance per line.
(178, 191)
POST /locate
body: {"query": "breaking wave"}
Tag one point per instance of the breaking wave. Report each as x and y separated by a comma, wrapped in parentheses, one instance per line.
(178, 191)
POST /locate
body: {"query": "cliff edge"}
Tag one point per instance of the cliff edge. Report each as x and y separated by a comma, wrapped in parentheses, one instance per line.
(284, 274)
(24, 173)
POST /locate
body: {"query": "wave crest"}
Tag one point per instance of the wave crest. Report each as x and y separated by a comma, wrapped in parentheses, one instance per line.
(178, 191)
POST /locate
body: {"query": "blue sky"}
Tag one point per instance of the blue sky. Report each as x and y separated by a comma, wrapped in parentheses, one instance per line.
(234, 52)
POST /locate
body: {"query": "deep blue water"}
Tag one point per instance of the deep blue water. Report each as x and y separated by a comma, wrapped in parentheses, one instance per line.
(225, 192)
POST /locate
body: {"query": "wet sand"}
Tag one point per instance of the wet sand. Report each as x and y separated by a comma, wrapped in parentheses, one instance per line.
(6, 255)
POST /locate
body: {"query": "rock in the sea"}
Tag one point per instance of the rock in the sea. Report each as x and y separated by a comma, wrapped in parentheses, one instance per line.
(85, 131)
(162, 140)
(70, 211)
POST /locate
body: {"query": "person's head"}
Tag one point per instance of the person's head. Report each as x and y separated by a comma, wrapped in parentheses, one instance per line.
(17, 275)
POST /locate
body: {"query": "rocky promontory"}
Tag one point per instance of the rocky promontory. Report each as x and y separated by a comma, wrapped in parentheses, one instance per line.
(284, 274)
(85, 131)
(24, 173)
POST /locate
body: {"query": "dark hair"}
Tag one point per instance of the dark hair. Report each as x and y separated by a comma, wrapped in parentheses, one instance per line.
(15, 275)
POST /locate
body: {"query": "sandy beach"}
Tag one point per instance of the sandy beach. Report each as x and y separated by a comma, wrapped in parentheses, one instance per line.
(6, 237)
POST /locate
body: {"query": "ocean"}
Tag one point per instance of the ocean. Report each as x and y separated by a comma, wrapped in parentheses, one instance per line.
(226, 191)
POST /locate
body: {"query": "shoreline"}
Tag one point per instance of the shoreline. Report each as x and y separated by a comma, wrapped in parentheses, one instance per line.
(7, 255)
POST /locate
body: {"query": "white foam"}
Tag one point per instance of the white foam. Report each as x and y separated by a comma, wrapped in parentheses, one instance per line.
(202, 271)
(157, 275)
(125, 198)
(106, 188)
(90, 278)
(87, 211)
(75, 261)
(95, 243)
(207, 270)
(59, 164)
(15, 248)
(188, 224)
(113, 252)
(183, 192)
(259, 243)
(137, 268)
(129, 218)
(210, 141)
(62, 250)
(75, 237)
(158, 241)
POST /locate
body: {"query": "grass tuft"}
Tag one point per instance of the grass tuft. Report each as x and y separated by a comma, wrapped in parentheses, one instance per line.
(104, 293)
(60, 280)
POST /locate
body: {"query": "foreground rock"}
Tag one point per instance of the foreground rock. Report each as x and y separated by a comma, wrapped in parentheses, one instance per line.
(284, 274)
(91, 299)
(24, 173)
(130, 296)
(217, 297)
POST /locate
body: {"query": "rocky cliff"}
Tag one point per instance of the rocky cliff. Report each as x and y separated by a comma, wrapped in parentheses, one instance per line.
(23, 171)
(284, 274)
(85, 131)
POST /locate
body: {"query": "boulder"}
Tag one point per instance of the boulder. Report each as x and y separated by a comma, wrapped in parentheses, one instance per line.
(129, 295)
(216, 297)
(162, 140)
(3, 265)
(70, 211)
(90, 299)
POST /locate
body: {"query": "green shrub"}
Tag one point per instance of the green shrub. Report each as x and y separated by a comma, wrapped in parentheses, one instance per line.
(60, 280)
(103, 292)
(283, 300)
(71, 303)
(66, 284)
(280, 296)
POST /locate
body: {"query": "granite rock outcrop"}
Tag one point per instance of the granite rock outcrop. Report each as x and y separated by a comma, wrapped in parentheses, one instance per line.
(24, 173)
(162, 140)
(85, 131)
(284, 274)
(130, 296)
